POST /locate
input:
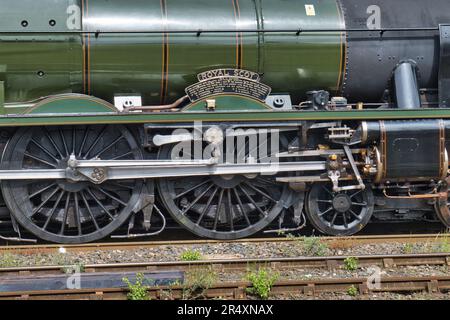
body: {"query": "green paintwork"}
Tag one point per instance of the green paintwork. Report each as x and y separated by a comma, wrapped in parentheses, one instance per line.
(2, 97)
(70, 104)
(228, 103)
(130, 63)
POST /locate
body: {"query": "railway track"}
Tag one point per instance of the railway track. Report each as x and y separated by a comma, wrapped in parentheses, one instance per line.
(238, 290)
(332, 262)
(235, 290)
(353, 240)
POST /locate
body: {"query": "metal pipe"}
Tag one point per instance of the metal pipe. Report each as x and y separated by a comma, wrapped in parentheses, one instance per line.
(198, 32)
(406, 86)
(174, 105)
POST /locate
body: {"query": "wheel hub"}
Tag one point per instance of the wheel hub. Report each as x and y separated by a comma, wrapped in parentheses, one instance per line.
(70, 185)
(228, 182)
(342, 203)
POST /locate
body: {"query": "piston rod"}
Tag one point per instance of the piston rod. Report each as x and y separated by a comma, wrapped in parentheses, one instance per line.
(98, 171)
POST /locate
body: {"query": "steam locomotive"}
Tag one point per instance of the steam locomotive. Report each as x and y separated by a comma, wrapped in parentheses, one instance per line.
(229, 116)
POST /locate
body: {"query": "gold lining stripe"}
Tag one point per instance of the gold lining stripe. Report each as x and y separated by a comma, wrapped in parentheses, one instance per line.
(239, 35)
(442, 151)
(343, 49)
(86, 48)
(83, 46)
(165, 54)
(383, 149)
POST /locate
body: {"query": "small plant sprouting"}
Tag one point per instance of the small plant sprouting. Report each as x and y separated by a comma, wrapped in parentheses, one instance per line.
(262, 282)
(8, 260)
(408, 248)
(138, 291)
(313, 246)
(197, 282)
(191, 255)
(352, 291)
(443, 246)
(351, 263)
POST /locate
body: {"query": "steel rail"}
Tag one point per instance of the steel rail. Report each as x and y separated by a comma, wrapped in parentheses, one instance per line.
(331, 263)
(238, 290)
(351, 240)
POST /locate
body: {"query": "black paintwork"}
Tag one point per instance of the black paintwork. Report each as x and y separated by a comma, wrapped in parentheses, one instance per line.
(372, 56)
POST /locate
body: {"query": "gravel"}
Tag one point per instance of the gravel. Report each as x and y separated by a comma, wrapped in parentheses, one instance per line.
(296, 248)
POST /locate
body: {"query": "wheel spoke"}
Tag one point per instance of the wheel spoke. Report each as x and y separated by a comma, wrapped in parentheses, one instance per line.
(267, 181)
(326, 190)
(130, 153)
(77, 214)
(52, 213)
(74, 140)
(208, 205)
(344, 215)
(63, 139)
(119, 185)
(39, 159)
(325, 201)
(252, 201)
(99, 203)
(333, 219)
(83, 142)
(219, 206)
(230, 210)
(242, 207)
(41, 190)
(86, 204)
(355, 215)
(321, 214)
(355, 194)
(108, 147)
(197, 199)
(99, 136)
(53, 143)
(35, 210)
(66, 212)
(45, 150)
(110, 195)
(191, 189)
(362, 204)
(261, 192)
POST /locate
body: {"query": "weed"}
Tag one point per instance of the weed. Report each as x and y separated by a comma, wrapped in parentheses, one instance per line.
(197, 282)
(8, 260)
(408, 248)
(138, 291)
(60, 259)
(313, 246)
(191, 255)
(351, 264)
(352, 291)
(262, 282)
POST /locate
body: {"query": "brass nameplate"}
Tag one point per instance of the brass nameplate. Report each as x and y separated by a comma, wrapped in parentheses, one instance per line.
(228, 85)
(228, 73)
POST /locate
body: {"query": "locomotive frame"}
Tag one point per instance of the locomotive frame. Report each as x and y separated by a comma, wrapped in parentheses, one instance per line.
(75, 168)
